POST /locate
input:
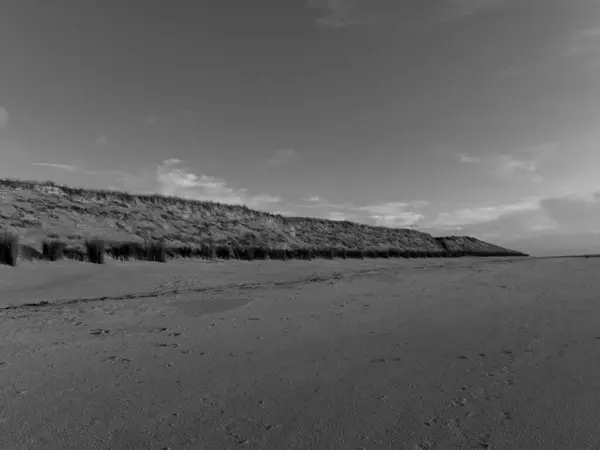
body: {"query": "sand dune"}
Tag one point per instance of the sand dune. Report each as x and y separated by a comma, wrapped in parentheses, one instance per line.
(399, 354)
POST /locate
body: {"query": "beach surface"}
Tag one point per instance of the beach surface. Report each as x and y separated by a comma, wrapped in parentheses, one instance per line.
(467, 353)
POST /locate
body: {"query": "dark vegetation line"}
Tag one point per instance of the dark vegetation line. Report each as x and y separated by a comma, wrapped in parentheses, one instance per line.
(96, 251)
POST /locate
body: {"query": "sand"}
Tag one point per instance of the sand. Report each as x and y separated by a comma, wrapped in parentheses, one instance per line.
(401, 354)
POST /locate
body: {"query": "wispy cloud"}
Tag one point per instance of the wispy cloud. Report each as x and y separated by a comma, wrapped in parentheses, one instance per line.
(153, 119)
(339, 13)
(318, 202)
(393, 214)
(509, 167)
(472, 216)
(451, 10)
(524, 162)
(346, 13)
(177, 180)
(576, 213)
(102, 141)
(261, 200)
(519, 164)
(586, 41)
(4, 117)
(464, 158)
(282, 157)
(530, 224)
(67, 167)
(390, 214)
(339, 216)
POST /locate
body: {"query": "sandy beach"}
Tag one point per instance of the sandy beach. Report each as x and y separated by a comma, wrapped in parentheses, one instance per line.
(460, 353)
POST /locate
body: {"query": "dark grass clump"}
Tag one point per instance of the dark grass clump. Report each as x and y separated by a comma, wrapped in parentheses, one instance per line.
(370, 253)
(356, 253)
(95, 250)
(383, 253)
(223, 252)
(156, 251)
(248, 253)
(9, 248)
(53, 250)
(279, 254)
(261, 253)
(209, 251)
(75, 253)
(126, 251)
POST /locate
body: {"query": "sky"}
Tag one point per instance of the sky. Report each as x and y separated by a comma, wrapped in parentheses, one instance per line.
(455, 117)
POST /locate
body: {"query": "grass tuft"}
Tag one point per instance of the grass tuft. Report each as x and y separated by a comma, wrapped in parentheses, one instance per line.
(53, 250)
(156, 251)
(9, 248)
(95, 250)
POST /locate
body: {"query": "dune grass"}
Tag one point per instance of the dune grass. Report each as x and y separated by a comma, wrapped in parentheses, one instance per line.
(9, 248)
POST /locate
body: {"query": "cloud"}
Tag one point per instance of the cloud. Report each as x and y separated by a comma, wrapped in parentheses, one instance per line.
(318, 202)
(586, 41)
(339, 216)
(339, 13)
(281, 157)
(4, 117)
(67, 167)
(464, 158)
(177, 180)
(452, 10)
(346, 13)
(461, 218)
(261, 200)
(575, 213)
(389, 214)
(509, 167)
(393, 214)
(151, 120)
(101, 141)
(534, 225)
(522, 163)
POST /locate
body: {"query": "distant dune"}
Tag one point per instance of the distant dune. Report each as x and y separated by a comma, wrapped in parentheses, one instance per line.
(38, 211)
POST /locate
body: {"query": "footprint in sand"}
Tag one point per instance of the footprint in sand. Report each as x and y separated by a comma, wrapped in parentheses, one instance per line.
(99, 332)
(484, 441)
(166, 344)
(378, 360)
(157, 330)
(431, 422)
(117, 359)
(459, 402)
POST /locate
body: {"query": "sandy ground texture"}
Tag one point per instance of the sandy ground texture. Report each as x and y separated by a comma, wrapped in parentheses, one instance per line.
(403, 354)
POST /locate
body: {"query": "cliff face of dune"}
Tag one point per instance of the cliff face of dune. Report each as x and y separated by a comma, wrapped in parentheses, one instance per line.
(37, 211)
